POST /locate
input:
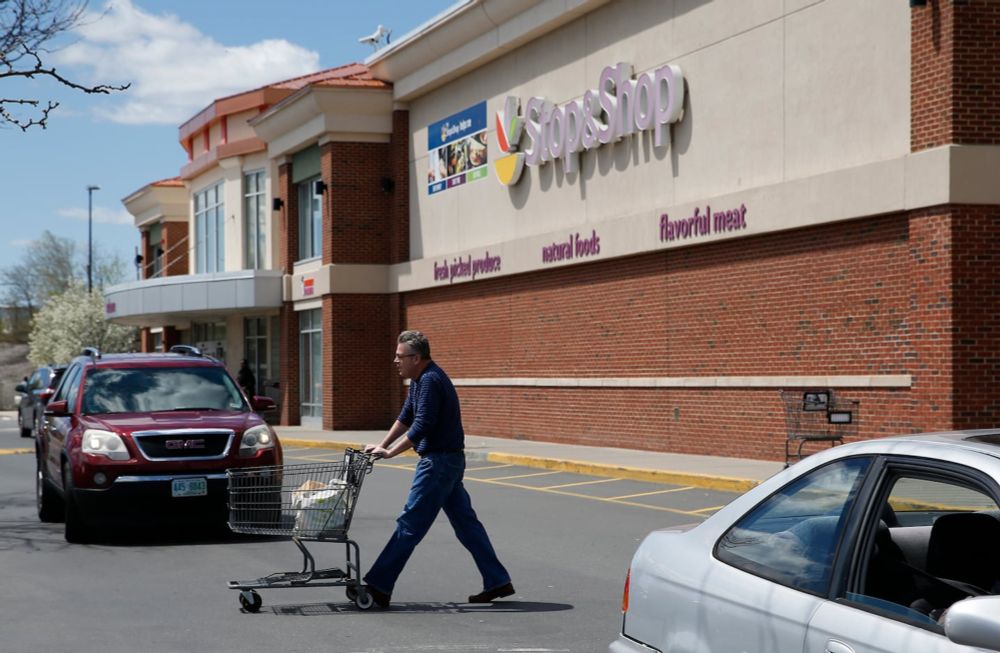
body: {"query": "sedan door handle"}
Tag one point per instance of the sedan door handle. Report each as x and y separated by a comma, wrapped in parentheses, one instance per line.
(833, 646)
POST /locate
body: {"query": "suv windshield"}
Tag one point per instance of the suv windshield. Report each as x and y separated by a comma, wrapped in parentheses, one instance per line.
(148, 389)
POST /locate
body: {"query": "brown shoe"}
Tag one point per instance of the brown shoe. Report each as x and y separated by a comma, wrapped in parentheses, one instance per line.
(491, 595)
(381, 598)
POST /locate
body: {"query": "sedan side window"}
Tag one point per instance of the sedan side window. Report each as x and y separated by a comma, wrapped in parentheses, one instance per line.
(792, 537)
(934, 544)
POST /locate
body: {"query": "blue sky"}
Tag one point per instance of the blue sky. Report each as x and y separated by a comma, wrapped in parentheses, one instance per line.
(179, 55)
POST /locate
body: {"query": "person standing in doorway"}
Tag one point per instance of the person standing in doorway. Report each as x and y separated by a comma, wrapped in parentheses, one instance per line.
(431, 422)
(246, 379)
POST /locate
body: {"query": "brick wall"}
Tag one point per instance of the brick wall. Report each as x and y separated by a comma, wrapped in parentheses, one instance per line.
(955, 73)
(356, 211)
(144, 248)
(145, 339)
(863, 297)
(399, 160)
(976, 315)
(177, 249)
(357, 347)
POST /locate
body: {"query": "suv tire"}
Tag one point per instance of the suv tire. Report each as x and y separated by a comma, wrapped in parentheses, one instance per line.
(25, 432)
(50, 508)
(77, 531)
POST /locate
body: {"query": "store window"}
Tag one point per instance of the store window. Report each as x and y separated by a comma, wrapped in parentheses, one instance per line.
(155, 265)
(210, 338)
(311, 363)
(209, 230)
(255, 349)
(310, 219)
(254, 214)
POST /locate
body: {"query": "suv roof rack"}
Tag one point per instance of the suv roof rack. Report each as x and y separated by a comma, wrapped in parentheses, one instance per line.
(92, 352)
(186, 350)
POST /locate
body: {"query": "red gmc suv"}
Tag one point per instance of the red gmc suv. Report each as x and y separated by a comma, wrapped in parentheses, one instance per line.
(140, 436)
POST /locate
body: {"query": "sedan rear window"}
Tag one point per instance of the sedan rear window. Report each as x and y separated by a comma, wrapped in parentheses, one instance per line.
(150, 389)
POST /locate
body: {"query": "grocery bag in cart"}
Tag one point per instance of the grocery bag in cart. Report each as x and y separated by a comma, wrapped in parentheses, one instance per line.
(320, 508)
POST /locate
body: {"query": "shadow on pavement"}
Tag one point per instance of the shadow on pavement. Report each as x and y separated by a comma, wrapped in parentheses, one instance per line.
(320, 609)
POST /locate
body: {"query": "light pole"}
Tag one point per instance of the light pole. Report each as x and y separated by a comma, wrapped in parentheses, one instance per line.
(90, 237)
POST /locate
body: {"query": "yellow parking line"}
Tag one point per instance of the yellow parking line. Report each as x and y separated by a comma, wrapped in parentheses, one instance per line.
(479, 469)
(493, 481)
(10, 452)
(506, 478)
(601, 480)
(646, 494)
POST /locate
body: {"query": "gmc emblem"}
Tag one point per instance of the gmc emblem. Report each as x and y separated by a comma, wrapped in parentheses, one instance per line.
(185, 444)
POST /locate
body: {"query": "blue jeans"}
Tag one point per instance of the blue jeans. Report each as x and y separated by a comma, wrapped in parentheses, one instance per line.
(437, 485)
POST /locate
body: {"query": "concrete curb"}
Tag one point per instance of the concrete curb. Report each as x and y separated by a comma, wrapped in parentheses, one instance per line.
(721, 483)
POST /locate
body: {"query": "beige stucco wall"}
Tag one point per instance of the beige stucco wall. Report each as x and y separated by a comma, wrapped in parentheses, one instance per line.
(237, 128)
(230, 171)
(778, 90)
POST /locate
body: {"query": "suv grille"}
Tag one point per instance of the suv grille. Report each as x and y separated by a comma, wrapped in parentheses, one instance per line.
(184, 444)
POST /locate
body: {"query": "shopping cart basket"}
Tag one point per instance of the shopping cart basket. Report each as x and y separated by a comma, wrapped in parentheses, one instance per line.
(311, 502)
(817, 415)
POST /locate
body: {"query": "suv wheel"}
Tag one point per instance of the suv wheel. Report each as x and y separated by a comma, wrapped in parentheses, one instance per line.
(77, 528)
(25, 431)
(50, 508)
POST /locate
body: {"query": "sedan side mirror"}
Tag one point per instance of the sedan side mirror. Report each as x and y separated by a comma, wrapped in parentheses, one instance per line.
(974, 622)
(20, 387)
(57, 408)
(261, 403)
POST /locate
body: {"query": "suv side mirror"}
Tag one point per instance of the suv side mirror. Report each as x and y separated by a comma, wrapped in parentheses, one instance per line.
(46, 394)
(57, 408)
(22, 388)
(261, 403)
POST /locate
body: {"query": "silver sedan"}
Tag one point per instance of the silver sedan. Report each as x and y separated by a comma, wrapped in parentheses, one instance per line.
(884, 545)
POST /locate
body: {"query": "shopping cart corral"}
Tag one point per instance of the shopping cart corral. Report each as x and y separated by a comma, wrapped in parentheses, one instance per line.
(311, 502)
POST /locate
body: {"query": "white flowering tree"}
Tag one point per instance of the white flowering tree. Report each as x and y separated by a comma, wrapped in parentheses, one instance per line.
(72, 320)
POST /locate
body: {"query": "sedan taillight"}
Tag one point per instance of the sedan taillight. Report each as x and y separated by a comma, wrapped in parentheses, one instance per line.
(628, 577)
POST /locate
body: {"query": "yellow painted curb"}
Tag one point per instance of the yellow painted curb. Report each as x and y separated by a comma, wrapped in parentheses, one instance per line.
(9, 452)
(724, 483)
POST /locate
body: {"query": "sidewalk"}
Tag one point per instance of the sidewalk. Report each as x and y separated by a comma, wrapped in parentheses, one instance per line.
(714, 472)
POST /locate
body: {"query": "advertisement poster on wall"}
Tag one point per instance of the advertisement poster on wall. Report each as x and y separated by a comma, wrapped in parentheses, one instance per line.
(456, 149)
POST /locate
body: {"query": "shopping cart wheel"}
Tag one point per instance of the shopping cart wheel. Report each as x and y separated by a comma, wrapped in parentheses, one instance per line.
(362, 599)
(352, 593)
(250, 600)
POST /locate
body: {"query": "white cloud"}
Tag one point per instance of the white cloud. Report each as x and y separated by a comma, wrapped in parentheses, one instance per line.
(174, 69)
(101, 214)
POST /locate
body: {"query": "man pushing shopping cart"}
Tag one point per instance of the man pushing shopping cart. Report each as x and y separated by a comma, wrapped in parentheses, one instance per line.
(316, 501)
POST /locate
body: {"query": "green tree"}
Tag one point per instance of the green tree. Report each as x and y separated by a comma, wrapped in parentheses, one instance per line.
(72, 320)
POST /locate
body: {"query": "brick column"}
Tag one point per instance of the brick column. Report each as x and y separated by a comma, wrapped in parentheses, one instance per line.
(171, 337)
(288, 231)
(399, 158)
(176, 257)
(955, 89)
(289, 360)
(144, 250)
(145, 337)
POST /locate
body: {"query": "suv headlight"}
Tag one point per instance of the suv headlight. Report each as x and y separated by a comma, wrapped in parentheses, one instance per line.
(105, 443)
(256, 439)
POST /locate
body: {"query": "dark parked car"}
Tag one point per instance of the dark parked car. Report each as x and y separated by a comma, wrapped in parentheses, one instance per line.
(146, 437)
(35, 393)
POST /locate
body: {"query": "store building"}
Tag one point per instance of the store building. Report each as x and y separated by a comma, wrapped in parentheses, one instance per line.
(631, 223)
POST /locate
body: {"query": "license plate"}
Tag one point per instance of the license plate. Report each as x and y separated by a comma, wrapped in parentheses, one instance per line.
(189, 487)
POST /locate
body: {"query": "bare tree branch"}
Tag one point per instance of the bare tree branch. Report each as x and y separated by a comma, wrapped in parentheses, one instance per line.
(26, 26)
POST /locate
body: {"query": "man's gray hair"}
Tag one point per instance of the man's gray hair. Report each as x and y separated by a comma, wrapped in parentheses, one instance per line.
(418, 342)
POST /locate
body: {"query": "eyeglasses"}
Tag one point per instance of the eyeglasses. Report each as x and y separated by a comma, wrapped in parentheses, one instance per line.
(400, 357)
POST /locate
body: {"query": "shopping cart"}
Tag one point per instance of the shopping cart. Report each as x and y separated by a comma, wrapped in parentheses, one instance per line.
(817, 415)
(311, 502)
